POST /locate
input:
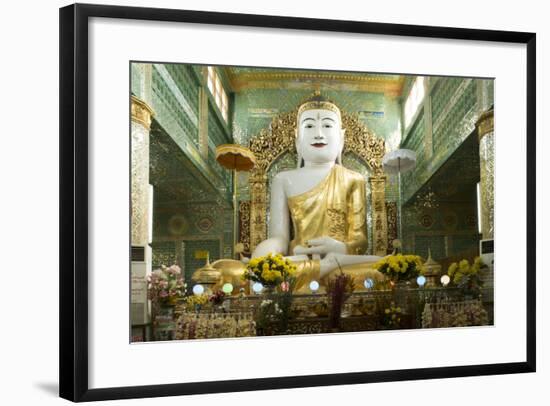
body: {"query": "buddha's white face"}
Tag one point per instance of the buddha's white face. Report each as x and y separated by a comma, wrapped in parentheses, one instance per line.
(320, 136)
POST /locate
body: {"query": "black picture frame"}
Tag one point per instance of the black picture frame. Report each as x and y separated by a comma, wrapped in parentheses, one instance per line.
(74, 171)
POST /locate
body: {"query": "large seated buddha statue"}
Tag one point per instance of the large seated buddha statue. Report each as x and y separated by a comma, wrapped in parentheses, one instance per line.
(322, 201)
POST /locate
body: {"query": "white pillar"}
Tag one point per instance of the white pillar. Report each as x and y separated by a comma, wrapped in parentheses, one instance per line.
(486, 134)
(141, 116)
(141, 124)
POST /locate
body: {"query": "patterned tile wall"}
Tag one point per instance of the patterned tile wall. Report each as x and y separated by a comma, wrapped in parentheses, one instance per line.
(448, 231)
(176, 110)
(217, 136)
(164, 253)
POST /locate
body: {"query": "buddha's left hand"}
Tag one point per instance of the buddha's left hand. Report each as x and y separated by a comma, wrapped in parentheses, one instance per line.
(323, 246)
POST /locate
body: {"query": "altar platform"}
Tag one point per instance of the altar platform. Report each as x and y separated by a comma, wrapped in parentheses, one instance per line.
(400, 308)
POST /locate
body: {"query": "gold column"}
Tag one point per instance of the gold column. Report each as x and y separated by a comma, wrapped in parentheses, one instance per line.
(258, 208)
(380, 221)
(141, 115)
(486, 134)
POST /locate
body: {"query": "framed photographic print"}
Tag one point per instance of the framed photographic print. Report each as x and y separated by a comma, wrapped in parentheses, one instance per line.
(309, 202)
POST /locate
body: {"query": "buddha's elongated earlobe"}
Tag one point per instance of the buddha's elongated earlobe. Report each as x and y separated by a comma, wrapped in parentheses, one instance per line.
(298, 152)
(339, 157)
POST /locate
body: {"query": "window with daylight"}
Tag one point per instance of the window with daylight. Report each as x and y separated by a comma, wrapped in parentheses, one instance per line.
(414, 99)
(217, 90)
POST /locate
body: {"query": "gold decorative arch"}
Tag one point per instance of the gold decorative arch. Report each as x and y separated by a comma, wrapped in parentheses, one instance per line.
(274, 141)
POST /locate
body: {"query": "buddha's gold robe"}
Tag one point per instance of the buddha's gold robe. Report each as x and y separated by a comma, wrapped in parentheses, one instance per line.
(335, 208)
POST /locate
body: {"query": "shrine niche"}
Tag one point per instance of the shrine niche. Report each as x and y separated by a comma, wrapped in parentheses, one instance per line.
(273, 142)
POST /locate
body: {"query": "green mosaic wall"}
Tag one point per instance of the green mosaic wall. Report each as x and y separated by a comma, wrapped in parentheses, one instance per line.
(440, 95)
(415, 139)
(193, 216)
(164, 253)
(175, 102)
(448, 231)
(136, 79)
(217, 136)
(459, 121)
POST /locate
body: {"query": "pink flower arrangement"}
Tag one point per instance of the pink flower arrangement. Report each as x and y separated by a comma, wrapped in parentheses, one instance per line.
(166, 284)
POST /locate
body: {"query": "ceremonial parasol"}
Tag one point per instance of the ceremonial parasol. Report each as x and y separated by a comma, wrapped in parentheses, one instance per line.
(236, 158)
(398, 162)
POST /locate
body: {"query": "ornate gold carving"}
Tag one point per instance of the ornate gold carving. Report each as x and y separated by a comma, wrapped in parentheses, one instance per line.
(274, 141)
(485, 123)
(258, 208)
(244, 226)
(391, 211)
(141, 112)
(362, 142)
(380, 223)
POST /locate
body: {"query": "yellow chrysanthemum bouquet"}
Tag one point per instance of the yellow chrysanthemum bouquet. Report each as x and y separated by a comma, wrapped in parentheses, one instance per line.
(400, 267)
(270, 270)
(195, 302)
(466, 276)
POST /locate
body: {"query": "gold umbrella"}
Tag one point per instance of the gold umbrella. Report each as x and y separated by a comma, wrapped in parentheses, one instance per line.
(236, 158)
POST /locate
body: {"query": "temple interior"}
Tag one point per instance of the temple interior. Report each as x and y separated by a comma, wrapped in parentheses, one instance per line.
(200, 213)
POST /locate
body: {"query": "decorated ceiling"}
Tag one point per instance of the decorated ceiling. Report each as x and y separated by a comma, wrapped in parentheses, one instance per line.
(245, 78)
